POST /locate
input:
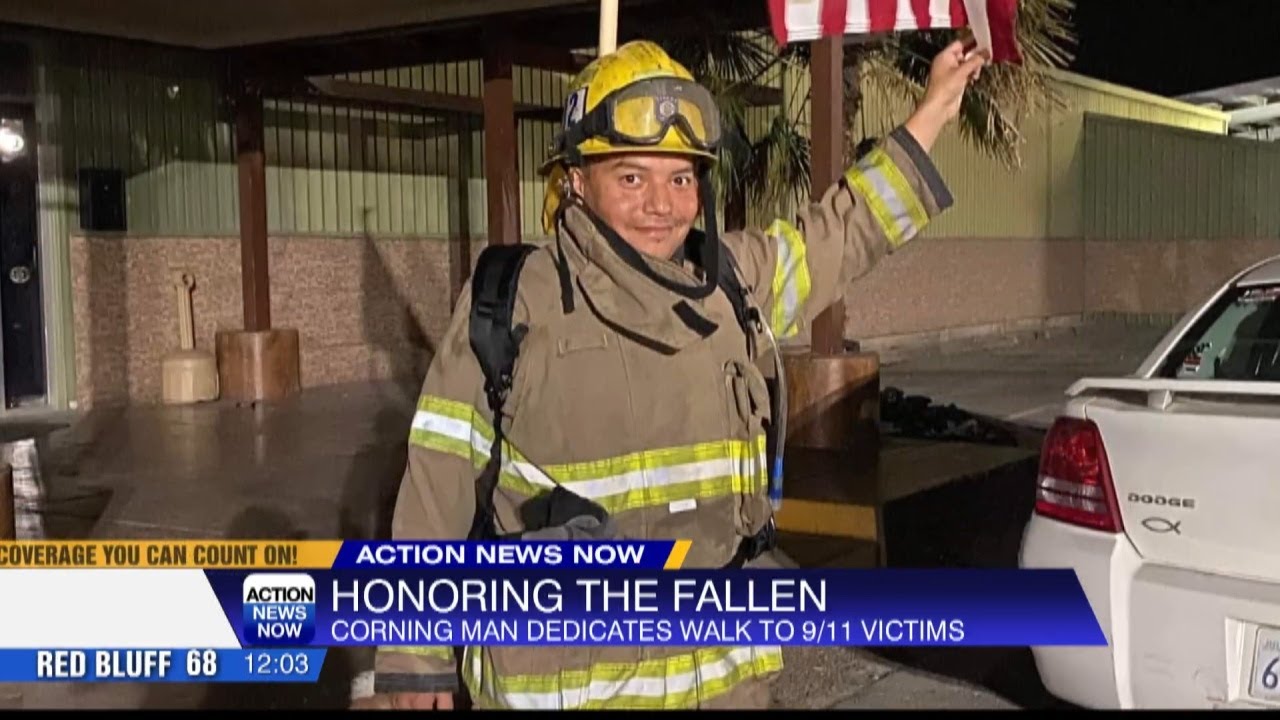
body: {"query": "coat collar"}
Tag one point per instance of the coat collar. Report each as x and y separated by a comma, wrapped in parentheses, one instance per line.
(625, 298)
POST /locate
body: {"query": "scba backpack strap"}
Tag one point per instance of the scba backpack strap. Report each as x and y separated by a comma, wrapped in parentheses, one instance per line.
(496, 343)
(749, 320)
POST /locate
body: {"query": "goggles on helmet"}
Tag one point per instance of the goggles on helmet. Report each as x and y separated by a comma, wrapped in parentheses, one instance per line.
(642, 114)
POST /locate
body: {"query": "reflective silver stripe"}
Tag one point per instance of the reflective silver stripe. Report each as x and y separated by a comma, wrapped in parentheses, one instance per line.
(658, 477)
(630, 687)
(466, 432)
(889, 196)
(789, 302)
(636, 480)
(897, 210)
(791, 281)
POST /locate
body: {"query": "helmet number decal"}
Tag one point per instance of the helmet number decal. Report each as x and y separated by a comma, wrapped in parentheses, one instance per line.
(573, 108)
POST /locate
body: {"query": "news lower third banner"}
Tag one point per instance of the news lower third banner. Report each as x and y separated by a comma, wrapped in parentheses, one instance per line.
(228, 611)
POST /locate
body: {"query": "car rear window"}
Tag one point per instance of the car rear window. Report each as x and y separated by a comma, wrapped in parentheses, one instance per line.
(1238, 339)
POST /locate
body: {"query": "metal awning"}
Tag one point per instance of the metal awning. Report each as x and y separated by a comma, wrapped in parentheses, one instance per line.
(1251, 105)
(236, 23)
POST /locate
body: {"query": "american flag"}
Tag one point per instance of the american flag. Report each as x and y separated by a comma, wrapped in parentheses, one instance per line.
(993, 21)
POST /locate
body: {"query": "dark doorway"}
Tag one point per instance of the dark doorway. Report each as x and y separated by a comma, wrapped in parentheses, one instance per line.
(20, 301)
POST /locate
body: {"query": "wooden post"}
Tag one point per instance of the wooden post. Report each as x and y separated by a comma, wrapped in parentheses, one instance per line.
(259, 362)
(500, 153)
(827, 70)
(608, 26)
(831, 512)
(255, 276)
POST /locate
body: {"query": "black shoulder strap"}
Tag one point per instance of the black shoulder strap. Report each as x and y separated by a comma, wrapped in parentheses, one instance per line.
(495, 343)
(733, 288)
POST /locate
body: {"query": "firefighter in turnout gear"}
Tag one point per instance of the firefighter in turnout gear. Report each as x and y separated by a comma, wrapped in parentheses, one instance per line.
(630, 370)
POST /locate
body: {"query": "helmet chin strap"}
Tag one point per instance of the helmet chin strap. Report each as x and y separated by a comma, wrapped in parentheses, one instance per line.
(704, 248)
(568, 195)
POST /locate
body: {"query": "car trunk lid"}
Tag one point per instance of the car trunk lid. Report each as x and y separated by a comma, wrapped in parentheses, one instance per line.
(1196, 469)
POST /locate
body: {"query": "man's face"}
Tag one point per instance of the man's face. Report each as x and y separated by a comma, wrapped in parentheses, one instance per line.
(650, 200)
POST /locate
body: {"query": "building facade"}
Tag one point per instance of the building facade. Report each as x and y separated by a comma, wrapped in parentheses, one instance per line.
(374, 215)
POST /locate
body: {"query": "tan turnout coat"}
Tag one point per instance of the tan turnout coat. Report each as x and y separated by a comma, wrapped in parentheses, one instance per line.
(658, 419)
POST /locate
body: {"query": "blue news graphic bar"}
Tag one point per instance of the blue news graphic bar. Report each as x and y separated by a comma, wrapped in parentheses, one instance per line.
(573, 607)
(178, 665)
(456, 554)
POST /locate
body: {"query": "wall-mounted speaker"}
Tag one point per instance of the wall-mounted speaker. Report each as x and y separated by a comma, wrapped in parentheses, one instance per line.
(102, 200)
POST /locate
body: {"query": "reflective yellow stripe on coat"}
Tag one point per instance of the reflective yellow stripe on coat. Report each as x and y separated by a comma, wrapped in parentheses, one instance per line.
(791, 281)
(643, 479)
(679, 681)
(895, 206)
(438, 652)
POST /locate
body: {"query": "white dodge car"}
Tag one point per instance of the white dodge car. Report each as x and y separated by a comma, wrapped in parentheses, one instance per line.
(1162, 491)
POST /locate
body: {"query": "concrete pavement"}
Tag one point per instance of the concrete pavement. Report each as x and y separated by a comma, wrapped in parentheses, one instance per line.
(855, 679)
(914, 690)
(327, 464)
(1022, 379)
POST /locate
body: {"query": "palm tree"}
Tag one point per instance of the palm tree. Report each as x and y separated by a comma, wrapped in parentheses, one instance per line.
(772, 168)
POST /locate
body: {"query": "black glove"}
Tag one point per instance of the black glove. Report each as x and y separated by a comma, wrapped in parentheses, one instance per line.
(583, 527)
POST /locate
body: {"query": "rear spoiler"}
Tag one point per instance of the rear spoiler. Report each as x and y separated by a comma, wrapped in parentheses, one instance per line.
(1160, 391)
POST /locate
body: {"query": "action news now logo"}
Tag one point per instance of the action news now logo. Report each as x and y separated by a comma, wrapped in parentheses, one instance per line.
(279, 609)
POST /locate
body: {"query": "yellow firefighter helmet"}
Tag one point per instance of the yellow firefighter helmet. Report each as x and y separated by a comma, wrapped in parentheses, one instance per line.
(636, 99)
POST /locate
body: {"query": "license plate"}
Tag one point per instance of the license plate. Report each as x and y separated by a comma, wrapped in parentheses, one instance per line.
(1264, 683)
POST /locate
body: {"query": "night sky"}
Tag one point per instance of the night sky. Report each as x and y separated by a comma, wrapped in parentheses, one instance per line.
(1172, 47)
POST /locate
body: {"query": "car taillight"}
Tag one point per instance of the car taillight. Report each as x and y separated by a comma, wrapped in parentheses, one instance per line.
(1075, 484)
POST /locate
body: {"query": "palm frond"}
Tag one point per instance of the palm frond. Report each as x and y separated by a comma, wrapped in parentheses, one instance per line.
(883, 71)
(727, 57)
(1003, 98)
(1044, 32)
(778, 173)
(735, 147)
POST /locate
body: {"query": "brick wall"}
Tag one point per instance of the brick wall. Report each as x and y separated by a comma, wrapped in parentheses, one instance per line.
(372, 309)
(364, 308)
(942, 284)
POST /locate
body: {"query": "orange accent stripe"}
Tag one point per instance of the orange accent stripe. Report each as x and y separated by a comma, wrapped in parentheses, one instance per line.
(678, 552)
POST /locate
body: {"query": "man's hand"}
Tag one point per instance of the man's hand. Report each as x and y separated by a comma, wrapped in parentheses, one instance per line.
(405, 701)
(950, 75)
